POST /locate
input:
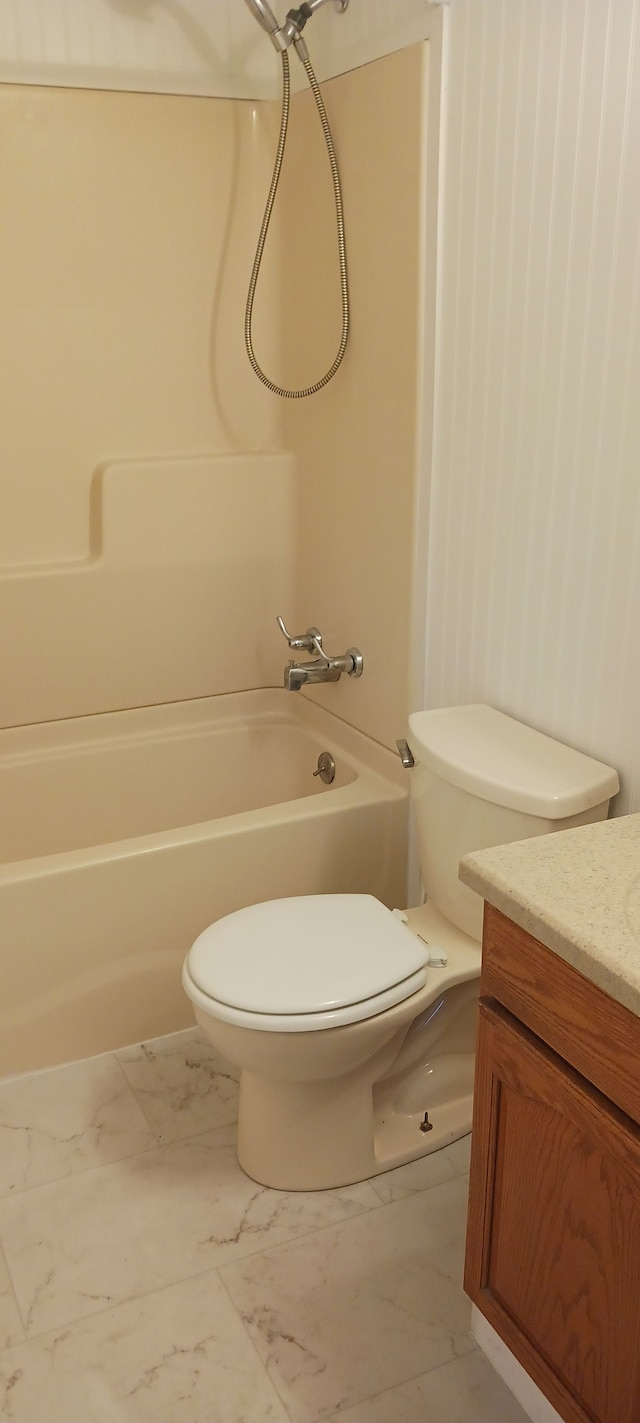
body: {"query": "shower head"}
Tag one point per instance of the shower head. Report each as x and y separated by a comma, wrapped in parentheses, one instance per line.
(290, 32)
(266, 18)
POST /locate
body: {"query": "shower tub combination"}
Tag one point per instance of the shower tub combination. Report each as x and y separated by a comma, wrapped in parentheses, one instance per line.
(125, 834)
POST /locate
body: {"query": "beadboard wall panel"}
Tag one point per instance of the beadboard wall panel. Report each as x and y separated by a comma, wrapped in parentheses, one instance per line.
(208, 47)
(534, 561)
(368, 30)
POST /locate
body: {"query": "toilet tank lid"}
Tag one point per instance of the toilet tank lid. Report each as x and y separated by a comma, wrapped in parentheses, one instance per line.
(498, 759)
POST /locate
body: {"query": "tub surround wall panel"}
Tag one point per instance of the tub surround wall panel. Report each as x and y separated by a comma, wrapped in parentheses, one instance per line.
(535, 522)
(356, 440)
(127, 237)
(130, 230)
(189, 559)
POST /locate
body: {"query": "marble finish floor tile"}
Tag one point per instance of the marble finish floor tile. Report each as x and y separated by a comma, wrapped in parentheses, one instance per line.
(11, 1326)
(432, 1170)
(459, 1153)
(182, 1085)
(179, 1355)
(97, 1239)
(66, 1120)
(465, 1391)
(361, 1306)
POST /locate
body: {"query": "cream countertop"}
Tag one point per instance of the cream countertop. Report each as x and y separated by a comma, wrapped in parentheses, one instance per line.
(578, 892)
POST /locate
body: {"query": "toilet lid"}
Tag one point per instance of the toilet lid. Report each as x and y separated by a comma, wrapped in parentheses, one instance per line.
(311, 954)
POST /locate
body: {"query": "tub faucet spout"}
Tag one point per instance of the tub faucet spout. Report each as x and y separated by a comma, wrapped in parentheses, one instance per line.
(298, 674)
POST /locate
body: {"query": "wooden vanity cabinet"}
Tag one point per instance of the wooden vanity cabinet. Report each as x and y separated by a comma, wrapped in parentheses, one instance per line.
(553, 1240)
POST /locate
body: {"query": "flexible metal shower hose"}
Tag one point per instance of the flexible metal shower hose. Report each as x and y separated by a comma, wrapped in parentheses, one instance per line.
(342, 251)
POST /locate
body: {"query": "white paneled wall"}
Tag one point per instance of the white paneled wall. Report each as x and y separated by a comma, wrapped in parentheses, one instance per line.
(177, 46)
(534, 563)
(188, 46)
(367, 30)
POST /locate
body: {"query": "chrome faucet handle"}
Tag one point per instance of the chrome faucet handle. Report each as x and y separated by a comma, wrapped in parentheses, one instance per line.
(351, 663)
(316, 646)
(306, 642)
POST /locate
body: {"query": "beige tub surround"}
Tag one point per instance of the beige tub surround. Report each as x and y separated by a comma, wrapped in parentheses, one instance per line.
(129, 573)
(127, 233)
(152, 823)
(356, 441)
(189, 560)
(578, 892)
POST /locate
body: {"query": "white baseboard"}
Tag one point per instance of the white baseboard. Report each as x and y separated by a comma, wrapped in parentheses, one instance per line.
(535, 1405)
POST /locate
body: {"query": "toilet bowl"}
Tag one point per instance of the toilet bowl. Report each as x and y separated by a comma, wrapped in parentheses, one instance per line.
(354, 1025)
(309, 1115)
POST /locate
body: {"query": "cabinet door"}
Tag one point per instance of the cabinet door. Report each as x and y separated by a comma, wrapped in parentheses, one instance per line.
(553, 1243)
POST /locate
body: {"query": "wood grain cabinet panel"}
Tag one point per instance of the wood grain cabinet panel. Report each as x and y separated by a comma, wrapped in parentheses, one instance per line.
(597, 1035)
(553, 1240)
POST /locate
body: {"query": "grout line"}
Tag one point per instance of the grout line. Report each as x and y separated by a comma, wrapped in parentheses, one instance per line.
(82, 1171)
(265, 1246)
(136, 1099)
(254, 1346)
(176, 1144)
(116, 1304)
(179, 1279)
(334, 1224)
(423, 1373)
(330, 1413)
(211, 1268)
(14, 1293)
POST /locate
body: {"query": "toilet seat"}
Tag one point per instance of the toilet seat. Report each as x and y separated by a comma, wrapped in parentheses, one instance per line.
(299, 965)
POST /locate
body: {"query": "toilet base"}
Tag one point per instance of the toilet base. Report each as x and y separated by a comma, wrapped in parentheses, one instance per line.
(295, 1138)
(398, 1135)
(304, 1138)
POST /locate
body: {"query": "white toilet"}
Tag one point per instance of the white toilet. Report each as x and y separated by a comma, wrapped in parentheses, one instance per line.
(353, 1025)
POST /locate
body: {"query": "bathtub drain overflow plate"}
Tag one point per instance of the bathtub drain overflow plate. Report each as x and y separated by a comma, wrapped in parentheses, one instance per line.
(326, 768)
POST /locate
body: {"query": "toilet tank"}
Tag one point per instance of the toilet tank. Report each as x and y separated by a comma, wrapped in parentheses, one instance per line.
(481, 779)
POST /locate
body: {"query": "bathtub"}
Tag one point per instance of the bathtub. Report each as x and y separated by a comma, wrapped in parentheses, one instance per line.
(123, 835)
